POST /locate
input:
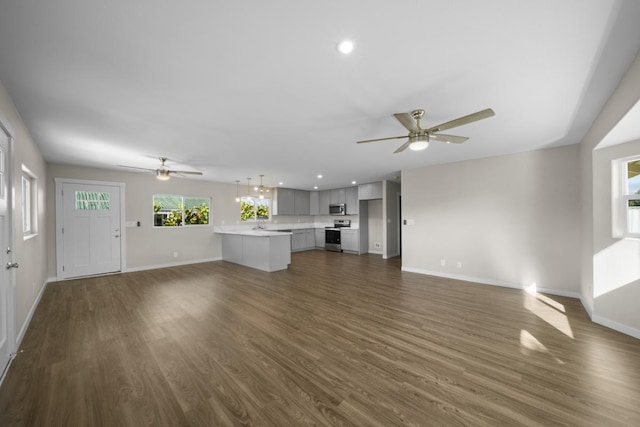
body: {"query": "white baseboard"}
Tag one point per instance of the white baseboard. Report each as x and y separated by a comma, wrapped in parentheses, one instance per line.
(32, 310)
(171, 264)
(558, 292)
(375, 252)
(616, 326)
(586, 308)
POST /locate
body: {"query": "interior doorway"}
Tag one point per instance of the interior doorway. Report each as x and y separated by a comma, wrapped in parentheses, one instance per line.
(7, 266)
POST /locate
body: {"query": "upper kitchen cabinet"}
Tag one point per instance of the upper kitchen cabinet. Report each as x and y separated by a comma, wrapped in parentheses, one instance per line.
(338, 196)
(283, 199)
(351, 194)
(314, 203)
(324, 202)
(301, 202)
(287, 201)
(370, 191)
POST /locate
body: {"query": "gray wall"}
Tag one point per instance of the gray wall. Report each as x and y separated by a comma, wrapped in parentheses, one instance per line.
(510, 220)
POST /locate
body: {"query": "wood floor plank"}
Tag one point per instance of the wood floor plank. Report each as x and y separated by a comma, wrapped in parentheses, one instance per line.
(336, 339)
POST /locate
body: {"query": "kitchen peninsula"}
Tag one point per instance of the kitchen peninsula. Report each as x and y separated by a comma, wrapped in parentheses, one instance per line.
(265, 250)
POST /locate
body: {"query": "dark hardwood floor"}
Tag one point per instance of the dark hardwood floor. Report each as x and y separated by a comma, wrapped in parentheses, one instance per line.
(335, 340)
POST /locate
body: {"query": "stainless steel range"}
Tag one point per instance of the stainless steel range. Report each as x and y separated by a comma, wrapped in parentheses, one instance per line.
(332, 234)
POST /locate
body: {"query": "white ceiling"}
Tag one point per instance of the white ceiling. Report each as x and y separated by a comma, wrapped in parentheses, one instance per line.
(238, 89)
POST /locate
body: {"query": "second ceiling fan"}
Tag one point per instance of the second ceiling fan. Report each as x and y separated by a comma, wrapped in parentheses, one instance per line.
(419, 138)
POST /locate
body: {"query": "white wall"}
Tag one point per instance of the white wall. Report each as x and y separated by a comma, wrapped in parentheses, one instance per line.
(147, 246)
(618, 309)
(375, 225)
(510, 220)
(391, 219)
(30, 254)
(616, 264)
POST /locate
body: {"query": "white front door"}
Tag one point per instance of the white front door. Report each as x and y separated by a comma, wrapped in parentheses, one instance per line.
(6, 305)
(91, 229)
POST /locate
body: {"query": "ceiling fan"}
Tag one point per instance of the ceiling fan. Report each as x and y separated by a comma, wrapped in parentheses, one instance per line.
(419, 138)
(163, 173)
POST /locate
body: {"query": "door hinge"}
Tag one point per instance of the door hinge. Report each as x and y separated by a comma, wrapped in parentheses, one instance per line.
(63, 268)
(62, 230)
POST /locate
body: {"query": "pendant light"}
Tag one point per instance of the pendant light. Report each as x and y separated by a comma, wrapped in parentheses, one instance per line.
(237, 192)
(248, 187)
(261, 195)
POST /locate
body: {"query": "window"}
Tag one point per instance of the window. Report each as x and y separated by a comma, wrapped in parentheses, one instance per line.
(255, 209)
(631, 196)
(626, 197)
(29, 203)
(174, 211)
(92, 201)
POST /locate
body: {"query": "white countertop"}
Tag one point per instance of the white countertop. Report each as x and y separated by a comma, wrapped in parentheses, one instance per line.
(255, 233)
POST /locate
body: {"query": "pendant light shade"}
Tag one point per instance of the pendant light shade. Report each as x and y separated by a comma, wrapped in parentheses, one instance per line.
(237, 191)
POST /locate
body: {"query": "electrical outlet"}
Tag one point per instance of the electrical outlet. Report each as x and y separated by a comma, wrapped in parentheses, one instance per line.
(378, 245)
(459, 264)
(175, 254)
(443, 263)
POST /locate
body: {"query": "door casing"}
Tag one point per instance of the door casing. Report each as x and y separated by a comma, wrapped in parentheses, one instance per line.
(60, 221)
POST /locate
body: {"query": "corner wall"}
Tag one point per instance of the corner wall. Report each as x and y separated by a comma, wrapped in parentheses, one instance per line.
(617, 312)
(31, 253)
(509, 220)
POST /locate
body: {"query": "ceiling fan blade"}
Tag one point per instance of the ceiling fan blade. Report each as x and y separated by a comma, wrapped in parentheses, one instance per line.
(185, 172)
(134, 167)
(448, 138)
(407, 121)
(463, 120)
(381, 139)
(402, 147)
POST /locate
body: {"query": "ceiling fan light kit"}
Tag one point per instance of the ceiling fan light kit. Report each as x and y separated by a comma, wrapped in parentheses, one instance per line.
(164, 172)
(418, 138)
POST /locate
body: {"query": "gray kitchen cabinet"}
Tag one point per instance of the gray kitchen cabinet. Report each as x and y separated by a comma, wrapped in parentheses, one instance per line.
(350, 240)
(301, 202)
(310, 236)
(370, 191)
(351, 194)
(283, 201)
(338, 196)
(319, 237)
(298, 240)
(288, 201)
(324, 202)
(314, 203)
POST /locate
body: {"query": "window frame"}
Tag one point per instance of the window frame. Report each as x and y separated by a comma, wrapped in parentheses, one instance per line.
(29, 203)
(621, 198)
(182, 223)
(255, 200)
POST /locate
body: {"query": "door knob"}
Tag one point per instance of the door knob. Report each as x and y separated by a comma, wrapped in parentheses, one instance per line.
(12, 265)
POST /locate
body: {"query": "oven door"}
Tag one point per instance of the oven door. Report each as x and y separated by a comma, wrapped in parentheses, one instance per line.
(332, 239)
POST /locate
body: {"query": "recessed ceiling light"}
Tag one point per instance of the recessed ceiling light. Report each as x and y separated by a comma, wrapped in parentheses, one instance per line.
(315, 187)
(353, 182)
(346, 47)
(319, 176)
(281, 183)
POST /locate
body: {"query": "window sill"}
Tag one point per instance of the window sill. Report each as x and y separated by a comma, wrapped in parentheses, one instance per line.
(29, 236)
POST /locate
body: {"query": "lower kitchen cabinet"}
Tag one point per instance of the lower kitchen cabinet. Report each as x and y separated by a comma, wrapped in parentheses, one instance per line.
(319, 237)
(303, 239)
(350, 240)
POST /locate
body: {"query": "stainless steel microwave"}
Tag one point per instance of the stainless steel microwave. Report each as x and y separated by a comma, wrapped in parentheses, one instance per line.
(338, 209)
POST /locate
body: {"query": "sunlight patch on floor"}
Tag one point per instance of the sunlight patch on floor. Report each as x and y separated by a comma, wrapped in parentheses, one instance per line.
(529, 344)
(548, 310)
